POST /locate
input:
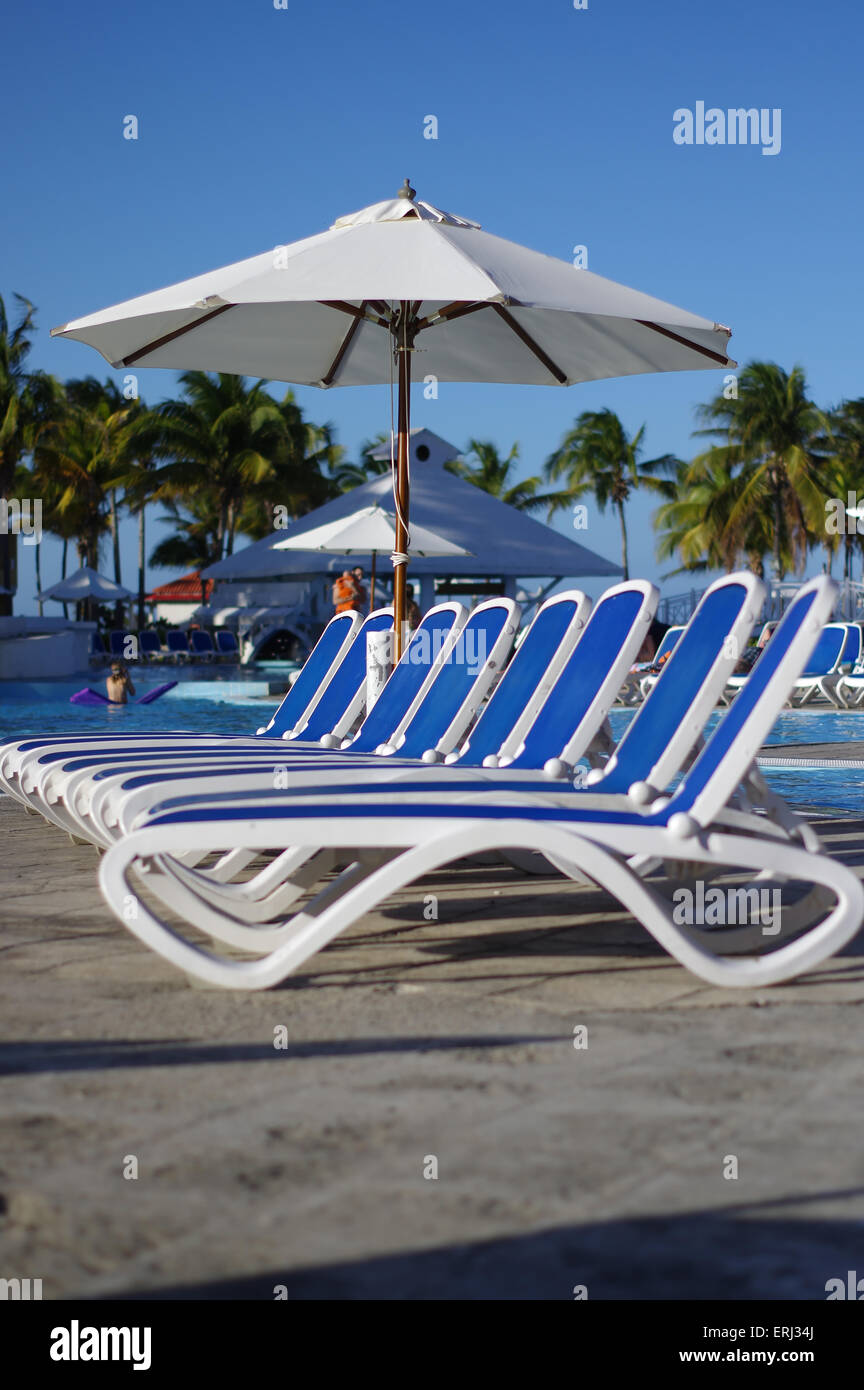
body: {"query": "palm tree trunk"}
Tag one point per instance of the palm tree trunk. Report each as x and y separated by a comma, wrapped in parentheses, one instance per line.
(141, 584)
(63, 562)
(7, 550)
(115, 538)
(778, 514)
(625, 564)
(39, 574)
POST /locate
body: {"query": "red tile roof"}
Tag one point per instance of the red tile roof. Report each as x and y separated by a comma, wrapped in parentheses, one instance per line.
(186, 589)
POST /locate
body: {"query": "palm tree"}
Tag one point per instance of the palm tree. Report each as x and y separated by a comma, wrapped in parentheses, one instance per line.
(28, 401)
(83, 458)
(482, 465)
(696, 526)
(844, 446)
(222, 438)
(771, 434)
(597, 457)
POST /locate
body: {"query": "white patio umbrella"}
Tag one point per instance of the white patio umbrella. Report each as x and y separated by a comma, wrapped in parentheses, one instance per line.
(351, 306)
(366, 532)
(85, 583)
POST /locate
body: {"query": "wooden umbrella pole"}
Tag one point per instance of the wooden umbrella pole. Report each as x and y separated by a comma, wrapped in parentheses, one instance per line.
(403, 359)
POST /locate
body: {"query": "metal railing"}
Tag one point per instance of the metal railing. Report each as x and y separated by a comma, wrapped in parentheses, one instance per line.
(849, 607)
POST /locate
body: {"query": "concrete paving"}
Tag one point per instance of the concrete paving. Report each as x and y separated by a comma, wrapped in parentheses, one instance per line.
(411, 1046)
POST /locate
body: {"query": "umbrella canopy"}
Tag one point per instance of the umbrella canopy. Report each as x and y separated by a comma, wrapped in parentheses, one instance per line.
(85, 583)
(352, 304)
(365, 532)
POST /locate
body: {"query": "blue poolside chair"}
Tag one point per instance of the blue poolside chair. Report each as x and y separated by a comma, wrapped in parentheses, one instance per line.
(226, 644)
(177, 644)
(149, 646)
(200, 645)
(119, 639)
(823, 669)
(98, 653)
(640, 680)
(412, 831)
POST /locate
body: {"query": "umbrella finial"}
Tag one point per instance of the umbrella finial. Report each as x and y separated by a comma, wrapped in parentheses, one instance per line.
(406, 191)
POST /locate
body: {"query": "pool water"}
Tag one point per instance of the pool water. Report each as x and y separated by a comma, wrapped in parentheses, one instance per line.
(229, 715)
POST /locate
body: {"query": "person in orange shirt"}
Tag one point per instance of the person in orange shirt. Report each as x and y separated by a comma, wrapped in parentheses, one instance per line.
(345, 593)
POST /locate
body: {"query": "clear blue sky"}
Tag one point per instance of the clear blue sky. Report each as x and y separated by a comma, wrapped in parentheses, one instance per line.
(259, 126)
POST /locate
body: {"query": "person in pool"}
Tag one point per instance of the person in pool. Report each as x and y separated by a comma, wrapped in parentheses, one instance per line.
(119, 684)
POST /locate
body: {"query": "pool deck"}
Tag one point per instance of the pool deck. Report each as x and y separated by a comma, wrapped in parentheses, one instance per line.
(815, 755)
(408, 1039)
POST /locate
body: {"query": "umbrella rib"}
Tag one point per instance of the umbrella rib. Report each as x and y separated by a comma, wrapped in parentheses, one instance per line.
(169, 337)
(677, 338)
(561, 377)
(327, 379)
(355, 313)
(450, 311)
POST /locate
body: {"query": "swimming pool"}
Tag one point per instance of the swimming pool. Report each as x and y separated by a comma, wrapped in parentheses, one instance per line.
(225, 709)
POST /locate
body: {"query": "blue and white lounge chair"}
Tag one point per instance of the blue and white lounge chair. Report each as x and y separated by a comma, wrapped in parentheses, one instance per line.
(640, 679)
(226, 644)
(61, 779)
(837, 646)
(584, 835)
(201, 645)
(653, 750)
(149, 646)
(178, 645)
(824, 667)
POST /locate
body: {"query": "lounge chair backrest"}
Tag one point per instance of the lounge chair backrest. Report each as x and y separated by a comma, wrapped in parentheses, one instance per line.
(118, 641)
(669, 723)
(580, 699)
(148, 642)
(410, 679)
(97, 645)
(537, 662)
(177, 642)
(732, 747)
(200, 642)
(825, 656)
(667, 643)
(226, 641)
(852, 646)
(463, 682)
(314, 676)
